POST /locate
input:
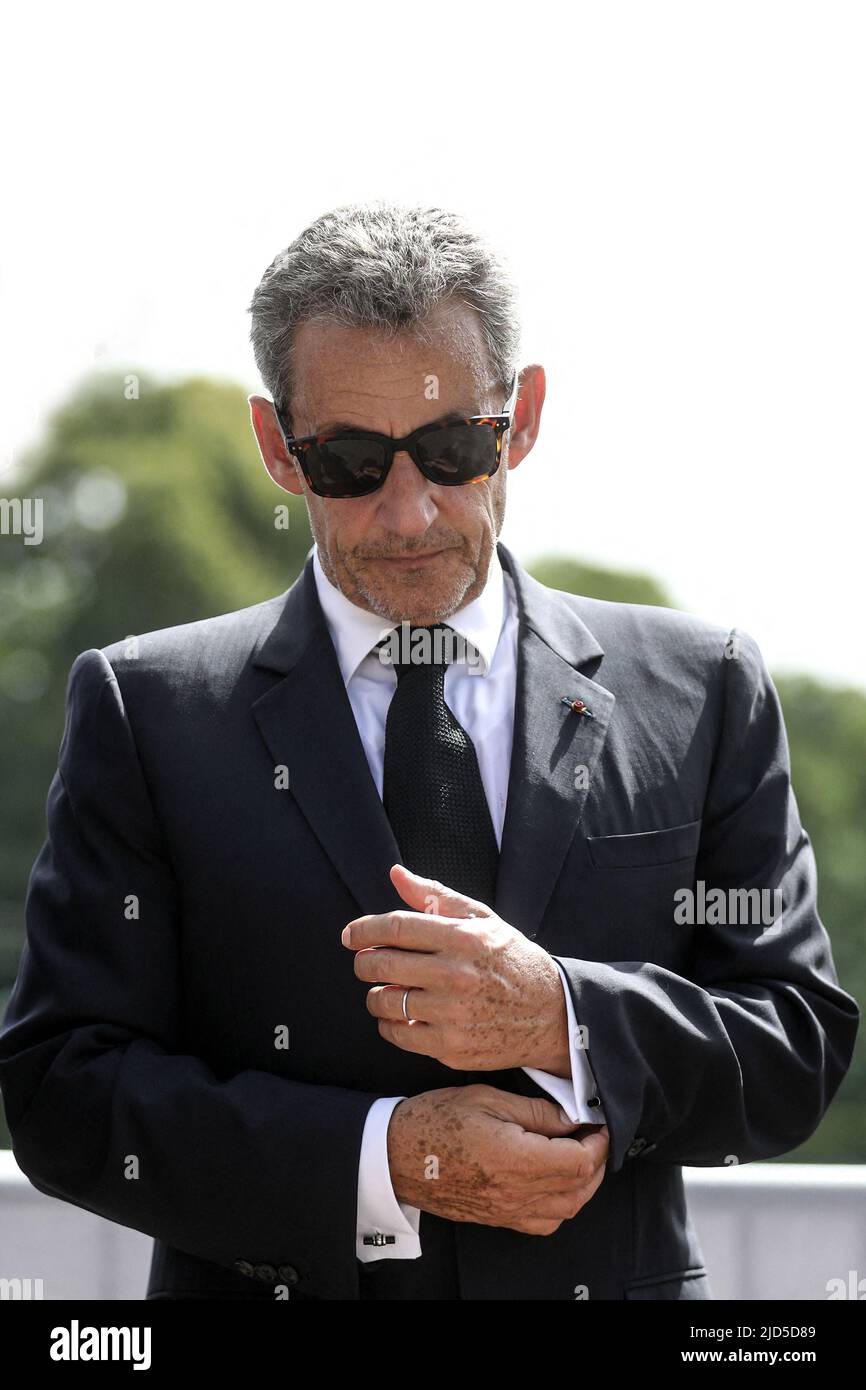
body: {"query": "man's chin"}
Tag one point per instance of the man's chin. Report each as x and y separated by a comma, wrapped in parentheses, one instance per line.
(423, 595)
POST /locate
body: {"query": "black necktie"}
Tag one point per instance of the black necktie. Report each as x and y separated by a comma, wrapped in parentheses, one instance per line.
(432, 789)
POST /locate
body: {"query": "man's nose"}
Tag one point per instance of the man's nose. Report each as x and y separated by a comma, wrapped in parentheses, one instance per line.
(406, 503)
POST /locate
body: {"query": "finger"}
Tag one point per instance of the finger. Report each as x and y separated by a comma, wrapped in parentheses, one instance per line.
(379, 965)
(596, 1146)
(386, 1001)
(532, 1113)
(563, 1205)
(428, 895)
(567, 1206)
(410, 1037)
(589, 1162)
(549, 1120)
(581, 1189)
(564, 1157)
(413, 931)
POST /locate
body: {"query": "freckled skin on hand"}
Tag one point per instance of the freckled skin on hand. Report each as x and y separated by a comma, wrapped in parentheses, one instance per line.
(503, 1159)
(489, 998)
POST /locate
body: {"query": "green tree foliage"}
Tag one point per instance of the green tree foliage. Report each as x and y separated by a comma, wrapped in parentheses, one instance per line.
(573, 577)
(157, 510)
(827, 736)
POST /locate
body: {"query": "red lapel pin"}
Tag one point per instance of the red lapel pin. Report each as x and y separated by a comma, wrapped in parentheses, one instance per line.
(577, 707)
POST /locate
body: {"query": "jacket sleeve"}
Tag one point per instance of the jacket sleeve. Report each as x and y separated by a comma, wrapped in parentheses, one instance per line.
(739, 1059)
(105, 1108)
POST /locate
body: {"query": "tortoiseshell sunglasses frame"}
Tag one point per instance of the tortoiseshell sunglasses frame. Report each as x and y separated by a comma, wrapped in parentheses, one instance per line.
(298, 447)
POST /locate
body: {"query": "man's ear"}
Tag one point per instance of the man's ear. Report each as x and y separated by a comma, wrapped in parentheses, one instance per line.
(527, 417)
(277, 460)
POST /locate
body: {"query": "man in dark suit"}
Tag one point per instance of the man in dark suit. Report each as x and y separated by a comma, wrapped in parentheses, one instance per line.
(330, 914)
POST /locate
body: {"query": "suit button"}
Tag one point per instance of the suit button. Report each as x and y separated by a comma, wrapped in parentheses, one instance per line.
(266, 1273)
(289, 1274)
(649, 1148)
(244, 1267)
(635, 1148)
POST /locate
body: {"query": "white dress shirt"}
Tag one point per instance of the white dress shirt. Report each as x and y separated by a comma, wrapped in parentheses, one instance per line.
(482, 701)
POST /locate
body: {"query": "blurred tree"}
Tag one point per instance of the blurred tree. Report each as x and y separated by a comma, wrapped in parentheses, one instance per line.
(574, 577)
(827, 736)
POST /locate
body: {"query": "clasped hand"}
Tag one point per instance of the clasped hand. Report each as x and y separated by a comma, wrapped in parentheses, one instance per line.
(483, 996)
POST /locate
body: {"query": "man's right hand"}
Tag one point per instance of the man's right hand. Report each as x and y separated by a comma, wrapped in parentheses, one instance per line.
(474, 1153)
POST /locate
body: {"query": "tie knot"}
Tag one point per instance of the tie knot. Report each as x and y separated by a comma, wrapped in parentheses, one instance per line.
(429, 648)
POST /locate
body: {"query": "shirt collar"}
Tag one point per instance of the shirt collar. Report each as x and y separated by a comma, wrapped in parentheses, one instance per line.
(355, 631)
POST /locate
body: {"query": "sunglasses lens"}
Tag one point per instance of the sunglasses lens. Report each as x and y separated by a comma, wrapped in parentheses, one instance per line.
(345, 467)
(458, 454)
(353, 467)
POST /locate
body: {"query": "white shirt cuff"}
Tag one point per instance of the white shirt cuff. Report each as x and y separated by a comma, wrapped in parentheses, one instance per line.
(575, 1091)
(379, 1212)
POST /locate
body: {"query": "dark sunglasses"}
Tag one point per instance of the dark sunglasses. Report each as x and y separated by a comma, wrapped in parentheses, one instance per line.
(353, 463)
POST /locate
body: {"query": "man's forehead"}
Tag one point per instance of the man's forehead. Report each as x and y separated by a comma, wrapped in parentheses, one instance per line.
(453, 338)
(352, 371)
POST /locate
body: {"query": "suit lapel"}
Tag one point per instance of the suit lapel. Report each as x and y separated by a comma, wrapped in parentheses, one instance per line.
(330, 780)
(328, 773)
(554, 751)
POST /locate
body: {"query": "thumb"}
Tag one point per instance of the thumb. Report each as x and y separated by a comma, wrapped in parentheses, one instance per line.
(429, 895)
(534, 1114)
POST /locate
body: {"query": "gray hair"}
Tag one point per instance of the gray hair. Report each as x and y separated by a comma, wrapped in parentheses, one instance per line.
(386, 266)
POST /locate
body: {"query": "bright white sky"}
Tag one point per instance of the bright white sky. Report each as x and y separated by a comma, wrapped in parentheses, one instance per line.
(680, 187)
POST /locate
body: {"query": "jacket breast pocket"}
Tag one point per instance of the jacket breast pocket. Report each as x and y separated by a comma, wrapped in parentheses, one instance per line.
(645, 850)
(685, 1284)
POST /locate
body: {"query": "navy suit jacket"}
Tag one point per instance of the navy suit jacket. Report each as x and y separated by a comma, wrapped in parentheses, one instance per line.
(184, 907)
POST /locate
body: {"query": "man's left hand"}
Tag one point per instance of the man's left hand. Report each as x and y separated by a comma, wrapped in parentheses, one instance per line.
(483, 996)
